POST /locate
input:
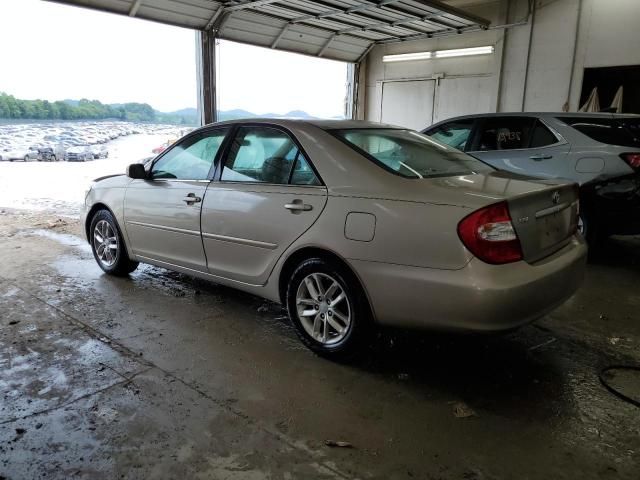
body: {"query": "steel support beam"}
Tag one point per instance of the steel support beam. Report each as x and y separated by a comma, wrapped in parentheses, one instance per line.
(214, 17)
(249, 4)
(134, 8)
(206, 71)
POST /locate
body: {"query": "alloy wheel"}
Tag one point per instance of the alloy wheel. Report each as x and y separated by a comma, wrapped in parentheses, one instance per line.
(323, 307)
(105, 243)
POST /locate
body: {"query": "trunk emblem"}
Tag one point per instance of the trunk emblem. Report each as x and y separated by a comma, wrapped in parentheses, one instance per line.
(555, 197)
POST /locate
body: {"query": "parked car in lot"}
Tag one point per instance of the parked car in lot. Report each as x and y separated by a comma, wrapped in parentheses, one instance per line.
(25, 154)
(99, 151)
(346, 223)
(599, 151)
(79, 154)
(53, 153)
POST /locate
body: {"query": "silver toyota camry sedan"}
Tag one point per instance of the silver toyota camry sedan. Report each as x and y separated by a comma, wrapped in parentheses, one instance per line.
(349, 224)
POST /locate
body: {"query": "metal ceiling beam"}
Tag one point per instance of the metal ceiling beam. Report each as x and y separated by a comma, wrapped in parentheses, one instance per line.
(441, 33)
(215, 17)
(280, 35)
(326, 45)
(134, 8)
(456, 12)
(359, 9)
(361, 12)
(248, 4)
(430, 17)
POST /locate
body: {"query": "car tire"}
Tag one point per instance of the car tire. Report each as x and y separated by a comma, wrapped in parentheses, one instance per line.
(590, 229)
(338, 330)
(53, 158)
(26, 158)
(105, 237)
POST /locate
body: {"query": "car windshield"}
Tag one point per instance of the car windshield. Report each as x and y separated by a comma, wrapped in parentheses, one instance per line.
(624, 132)
(410, 154)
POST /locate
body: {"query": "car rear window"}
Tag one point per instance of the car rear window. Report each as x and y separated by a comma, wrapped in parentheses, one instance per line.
(410, 154)
(624, 132)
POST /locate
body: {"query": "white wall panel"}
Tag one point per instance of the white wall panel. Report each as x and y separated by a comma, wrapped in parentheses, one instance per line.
(462, 95)
(408, 104)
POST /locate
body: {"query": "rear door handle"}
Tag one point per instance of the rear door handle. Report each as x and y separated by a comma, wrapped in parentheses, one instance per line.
(191, 198)
(541, 157)
(297, 206)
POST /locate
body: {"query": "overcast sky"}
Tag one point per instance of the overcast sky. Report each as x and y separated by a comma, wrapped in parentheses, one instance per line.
(54, 52)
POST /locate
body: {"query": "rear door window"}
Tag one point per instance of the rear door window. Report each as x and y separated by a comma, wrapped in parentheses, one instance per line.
(456, 134)
(624, 132)
(505, 133)
(542, 136)
(266, 155)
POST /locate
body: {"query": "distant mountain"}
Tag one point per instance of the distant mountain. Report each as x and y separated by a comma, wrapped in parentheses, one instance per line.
(83, 109)
(298, 114)
(234, 114)
(184, 111)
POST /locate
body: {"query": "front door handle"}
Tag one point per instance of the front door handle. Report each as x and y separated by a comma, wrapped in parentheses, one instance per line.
(191, 198)
(297, 206)
(541, 157)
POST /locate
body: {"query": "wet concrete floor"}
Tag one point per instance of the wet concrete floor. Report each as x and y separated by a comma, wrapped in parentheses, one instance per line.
(163, 376)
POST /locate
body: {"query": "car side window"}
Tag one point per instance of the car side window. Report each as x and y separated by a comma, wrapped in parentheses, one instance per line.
(542, 136)
(505, 133)
(455, 134)
(303, 173)
(264, 155)
(191, 159)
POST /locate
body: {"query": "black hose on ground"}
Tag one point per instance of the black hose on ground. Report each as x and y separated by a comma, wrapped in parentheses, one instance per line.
(611, 389)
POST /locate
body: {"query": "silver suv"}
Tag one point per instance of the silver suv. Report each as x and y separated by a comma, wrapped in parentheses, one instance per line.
(599, 151)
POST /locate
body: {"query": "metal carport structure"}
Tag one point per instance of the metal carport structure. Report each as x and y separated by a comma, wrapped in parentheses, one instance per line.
(342, 30)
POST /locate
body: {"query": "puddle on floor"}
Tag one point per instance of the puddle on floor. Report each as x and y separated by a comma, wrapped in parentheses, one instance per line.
(63, 238)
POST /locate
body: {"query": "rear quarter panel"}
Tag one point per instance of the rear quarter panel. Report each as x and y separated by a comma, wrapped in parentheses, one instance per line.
(406, 233)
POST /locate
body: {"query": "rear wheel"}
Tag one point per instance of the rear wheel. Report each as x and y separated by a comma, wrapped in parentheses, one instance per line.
(328, 308)
(26, 158)
(107, 245)
(53, 158)
(592, 231)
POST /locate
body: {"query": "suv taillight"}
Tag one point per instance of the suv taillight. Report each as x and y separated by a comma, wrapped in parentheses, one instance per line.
(488, 233)
(632, 159)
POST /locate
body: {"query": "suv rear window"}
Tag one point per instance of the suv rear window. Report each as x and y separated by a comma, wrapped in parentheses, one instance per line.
(624, 132)
(410, 154)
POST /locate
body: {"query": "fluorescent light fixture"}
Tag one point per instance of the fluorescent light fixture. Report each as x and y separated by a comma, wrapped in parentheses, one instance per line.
(457, 52)
(463, 52)
(406, 57)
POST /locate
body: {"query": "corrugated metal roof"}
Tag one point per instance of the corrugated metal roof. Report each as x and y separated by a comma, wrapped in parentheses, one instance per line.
(336, 29)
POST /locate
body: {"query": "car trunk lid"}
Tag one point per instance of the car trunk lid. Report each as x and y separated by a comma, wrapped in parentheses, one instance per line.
(544, 219)
(544, 212)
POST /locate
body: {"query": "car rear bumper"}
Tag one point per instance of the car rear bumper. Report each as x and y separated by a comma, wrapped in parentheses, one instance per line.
(479, 297)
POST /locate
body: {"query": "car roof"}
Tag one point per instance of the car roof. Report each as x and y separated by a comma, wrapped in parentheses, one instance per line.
(546, 114)
(592, 115)
(323, 124)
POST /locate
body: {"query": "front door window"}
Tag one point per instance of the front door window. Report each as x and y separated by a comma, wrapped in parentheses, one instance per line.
(191, 159)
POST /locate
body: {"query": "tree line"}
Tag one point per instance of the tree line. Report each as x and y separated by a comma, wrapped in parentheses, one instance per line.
(13, 108)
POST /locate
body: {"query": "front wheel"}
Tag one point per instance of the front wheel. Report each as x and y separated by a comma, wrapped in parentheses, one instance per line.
(328, 308)
(107, 245)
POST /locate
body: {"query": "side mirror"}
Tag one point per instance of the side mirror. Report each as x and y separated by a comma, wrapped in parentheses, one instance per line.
(136, 170)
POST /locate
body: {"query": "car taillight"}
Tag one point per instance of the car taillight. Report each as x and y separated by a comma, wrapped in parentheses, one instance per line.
(632, 159)
(488, 233)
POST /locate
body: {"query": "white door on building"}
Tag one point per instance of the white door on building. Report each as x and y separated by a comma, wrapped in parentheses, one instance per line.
(408, 103)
